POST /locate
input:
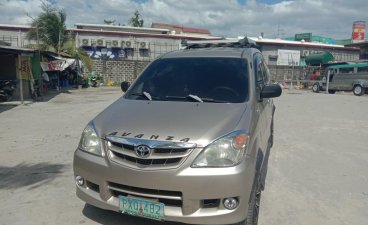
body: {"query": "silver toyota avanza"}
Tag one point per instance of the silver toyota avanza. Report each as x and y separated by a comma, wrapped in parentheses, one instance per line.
(189, 140)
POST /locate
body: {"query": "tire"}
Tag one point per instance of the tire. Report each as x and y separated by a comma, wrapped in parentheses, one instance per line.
(315, 88)
(358, 90)
(271, 136)
(253, 209)
(331, 91)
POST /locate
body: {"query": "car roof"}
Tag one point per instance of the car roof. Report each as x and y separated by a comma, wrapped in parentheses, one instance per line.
(218, 52)
(350, 65)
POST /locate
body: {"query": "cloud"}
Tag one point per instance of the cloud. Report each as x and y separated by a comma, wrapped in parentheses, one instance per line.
(332, 18)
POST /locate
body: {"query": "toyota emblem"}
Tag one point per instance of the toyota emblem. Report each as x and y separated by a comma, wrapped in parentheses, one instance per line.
(142, 151)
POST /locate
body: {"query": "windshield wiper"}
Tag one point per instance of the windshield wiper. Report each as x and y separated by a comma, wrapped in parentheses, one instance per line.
(195, 98)
(144, 94)
(191, 97)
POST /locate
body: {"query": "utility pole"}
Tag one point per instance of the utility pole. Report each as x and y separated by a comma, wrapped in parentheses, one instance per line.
(328, 81)
(40, 80)
(58, 51)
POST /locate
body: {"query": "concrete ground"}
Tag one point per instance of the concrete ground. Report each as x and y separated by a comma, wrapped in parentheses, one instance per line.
(318, 169)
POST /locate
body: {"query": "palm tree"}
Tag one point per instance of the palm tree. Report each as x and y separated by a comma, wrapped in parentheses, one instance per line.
(50, 28)
(78, 53)
(136, 20)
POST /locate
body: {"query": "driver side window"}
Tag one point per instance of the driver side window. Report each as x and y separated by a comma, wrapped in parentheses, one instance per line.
(262, 77)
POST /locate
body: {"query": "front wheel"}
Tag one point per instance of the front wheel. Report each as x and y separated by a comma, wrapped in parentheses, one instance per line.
(358, 90)
(331, 91)
(253, 209)
(315, 88)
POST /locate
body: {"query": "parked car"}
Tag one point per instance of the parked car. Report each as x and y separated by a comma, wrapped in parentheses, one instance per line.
(188, 142)
(346, 77)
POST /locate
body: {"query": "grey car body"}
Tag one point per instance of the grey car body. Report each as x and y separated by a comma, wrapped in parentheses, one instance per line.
(150, 147)
(347, 77)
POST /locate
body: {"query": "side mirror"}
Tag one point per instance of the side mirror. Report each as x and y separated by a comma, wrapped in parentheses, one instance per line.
(271, 91)
(124, 86)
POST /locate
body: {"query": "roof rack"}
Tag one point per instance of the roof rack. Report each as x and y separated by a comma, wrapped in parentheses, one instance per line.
(234, 43)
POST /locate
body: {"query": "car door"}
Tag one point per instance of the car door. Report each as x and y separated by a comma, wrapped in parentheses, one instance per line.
(262, 105)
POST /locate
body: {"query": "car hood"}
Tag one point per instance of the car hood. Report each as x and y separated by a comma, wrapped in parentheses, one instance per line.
(192, 122)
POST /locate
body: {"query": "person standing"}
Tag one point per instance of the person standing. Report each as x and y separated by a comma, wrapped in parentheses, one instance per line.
(312, 76)
(45, 81)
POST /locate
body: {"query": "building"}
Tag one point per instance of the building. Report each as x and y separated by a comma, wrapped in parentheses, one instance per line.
(121, 52)
(287, 59)
(177, 29)
(15, 35)
(138, 43)
(363, 46)
(19, 64)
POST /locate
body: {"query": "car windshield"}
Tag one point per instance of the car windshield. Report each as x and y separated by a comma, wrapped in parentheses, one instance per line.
(217, 80)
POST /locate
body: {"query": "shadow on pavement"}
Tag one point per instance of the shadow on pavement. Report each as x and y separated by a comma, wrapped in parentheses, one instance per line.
(5, 107)
(108, 217)
(24, 174)
(51, 94)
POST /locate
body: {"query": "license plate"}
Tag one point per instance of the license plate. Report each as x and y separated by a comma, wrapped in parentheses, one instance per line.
(142, 208)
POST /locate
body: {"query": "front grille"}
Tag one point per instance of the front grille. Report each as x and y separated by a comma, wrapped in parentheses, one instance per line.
(160, 157)
(169, 198)
(148, 162)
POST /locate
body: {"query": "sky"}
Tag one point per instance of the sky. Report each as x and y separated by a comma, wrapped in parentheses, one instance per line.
(229, 18)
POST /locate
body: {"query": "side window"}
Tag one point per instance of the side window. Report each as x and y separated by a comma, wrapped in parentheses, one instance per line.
(346, 70)
(266, 73)
(363, 69)
(259, 70)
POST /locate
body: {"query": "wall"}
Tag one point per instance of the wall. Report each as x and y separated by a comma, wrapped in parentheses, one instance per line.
(118, 71)
(154, 46)
(16, 38)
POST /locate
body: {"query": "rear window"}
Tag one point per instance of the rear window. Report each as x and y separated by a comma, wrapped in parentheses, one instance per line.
(193, 79)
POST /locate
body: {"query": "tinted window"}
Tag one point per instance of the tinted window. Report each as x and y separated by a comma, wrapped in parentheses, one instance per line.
(346, 70)
(211, 79)
(363, 69)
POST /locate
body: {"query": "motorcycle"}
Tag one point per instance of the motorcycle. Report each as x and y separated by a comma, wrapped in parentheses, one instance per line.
(94, 81)
(7, 89)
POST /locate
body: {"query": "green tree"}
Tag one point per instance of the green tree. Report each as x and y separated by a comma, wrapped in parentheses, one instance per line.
(136, 20)
(78, 53)
(49, 28)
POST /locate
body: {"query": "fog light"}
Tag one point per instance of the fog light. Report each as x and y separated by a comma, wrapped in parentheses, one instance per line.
(79, 180)
(230, 203)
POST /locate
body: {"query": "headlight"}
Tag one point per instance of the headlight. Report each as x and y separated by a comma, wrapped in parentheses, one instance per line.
(90, 142)
(224, 152)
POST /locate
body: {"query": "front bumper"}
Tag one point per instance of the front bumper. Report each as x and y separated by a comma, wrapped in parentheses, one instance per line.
(190, 195)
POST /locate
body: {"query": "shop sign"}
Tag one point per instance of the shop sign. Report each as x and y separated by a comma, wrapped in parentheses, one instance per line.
(25, 69)
(288, 57)
(303, 36)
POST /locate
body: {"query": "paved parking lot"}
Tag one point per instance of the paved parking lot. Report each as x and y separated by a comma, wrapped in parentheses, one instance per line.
(318, 170)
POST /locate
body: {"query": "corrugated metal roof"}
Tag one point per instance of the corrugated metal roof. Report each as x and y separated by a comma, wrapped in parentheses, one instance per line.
(298, 43)
(319, 59)
(16, 49)
(183, 28)
(173, 36)
(122, 28)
